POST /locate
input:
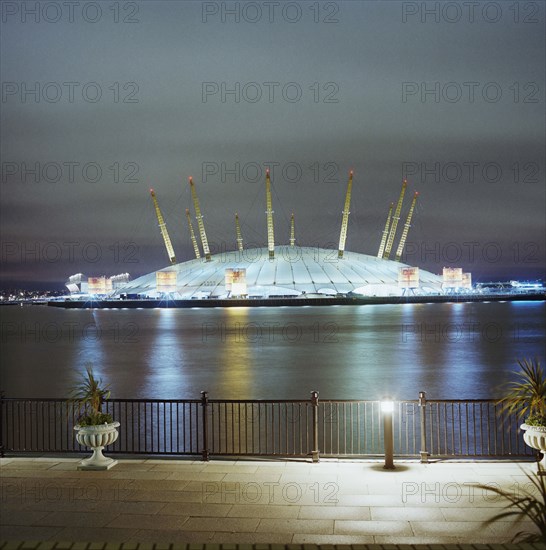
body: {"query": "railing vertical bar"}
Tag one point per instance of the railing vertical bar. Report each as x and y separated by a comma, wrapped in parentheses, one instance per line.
(445, 409)
(171, 447)
(376, 433)
(182, 426)
(324, 405)
(460, 429)
(52, 427)
(238, 429)
(273, 431)
(487, 429)
(3, 417)
(25, 425)
(143, 431)
(38, 424)
(437, 418)
(358, 439)
(55, 424)
(266, 428)
(286, 427)
(213, 447)
(454, 428)
(259, 428)
(139, 425)
(280, 431)
(126, 427)
(246, 426)
(301, 428)
(252, 441)
(156, 422)
(400, 443)
(365, 431)
(146, 426)
(43, 417)
(151, 426)
(510, 435)
(297, 426)
(466, 422)
(407, 420)
(191, 424)
(283, 449)
(233, 447)
(474, 433)
(271, 446)
(205, 453)
(351, 426)
(276, 434)
(15, 415)
(431, 424)
(324, 416)
(46, 424)
(332, 427)
(226, 427)
(338, 428)
(150, 422)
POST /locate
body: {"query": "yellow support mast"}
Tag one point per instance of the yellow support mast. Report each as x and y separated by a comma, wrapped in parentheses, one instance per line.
(385, 232)
(345, 219)
(163, 229)
(269, 213)
(395, 219)
(407, 225)
(200, 224)
(239, 234)
(292, 231)
(192, 235)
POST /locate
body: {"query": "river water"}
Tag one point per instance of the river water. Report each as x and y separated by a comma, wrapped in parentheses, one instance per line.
(451, 351)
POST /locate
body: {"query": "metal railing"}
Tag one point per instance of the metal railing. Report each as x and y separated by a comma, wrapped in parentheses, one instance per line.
(284, 428)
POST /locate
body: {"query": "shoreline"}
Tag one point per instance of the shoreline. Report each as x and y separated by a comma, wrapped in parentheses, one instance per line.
(292, 302)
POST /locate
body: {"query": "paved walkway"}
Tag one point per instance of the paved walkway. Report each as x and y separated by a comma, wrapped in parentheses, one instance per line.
(250, 501)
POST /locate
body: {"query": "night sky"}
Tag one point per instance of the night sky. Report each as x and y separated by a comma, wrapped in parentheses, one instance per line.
(108, 99)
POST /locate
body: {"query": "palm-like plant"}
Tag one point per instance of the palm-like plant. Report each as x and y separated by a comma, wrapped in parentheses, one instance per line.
(526, 396)
(529, 504)
(88, 398)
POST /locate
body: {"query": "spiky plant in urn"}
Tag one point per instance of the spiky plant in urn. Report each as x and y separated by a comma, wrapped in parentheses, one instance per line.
(526, 397)
(94, 428)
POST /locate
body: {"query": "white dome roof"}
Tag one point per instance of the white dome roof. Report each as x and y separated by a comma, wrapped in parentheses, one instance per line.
(293, 271)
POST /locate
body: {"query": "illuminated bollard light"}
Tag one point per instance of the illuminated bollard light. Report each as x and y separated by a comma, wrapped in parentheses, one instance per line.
(387, 408)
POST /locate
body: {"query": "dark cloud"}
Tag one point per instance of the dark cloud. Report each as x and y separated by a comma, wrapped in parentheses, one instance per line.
(152, 128)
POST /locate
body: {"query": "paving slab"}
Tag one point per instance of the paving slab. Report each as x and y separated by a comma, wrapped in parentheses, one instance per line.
(227, 525)
(374, 527)
(361, 513)
(336, 540)
(263, 511)
(317, 526)
(142, 521)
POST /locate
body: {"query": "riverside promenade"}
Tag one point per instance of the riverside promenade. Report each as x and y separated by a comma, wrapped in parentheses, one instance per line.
(151, 503)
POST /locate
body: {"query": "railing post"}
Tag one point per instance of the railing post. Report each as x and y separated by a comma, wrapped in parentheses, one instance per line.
(204, 405)
(314, 404)
(1, 424)
(423, 421)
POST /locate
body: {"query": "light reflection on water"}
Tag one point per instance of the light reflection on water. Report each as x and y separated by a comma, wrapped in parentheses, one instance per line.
(356, 352)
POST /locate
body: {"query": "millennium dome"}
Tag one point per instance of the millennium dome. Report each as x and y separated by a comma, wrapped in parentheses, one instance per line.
(293, 271)
(277, 270)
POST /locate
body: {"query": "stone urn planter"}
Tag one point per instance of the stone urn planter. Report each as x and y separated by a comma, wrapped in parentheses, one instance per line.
(535, 437)
(97, 437)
